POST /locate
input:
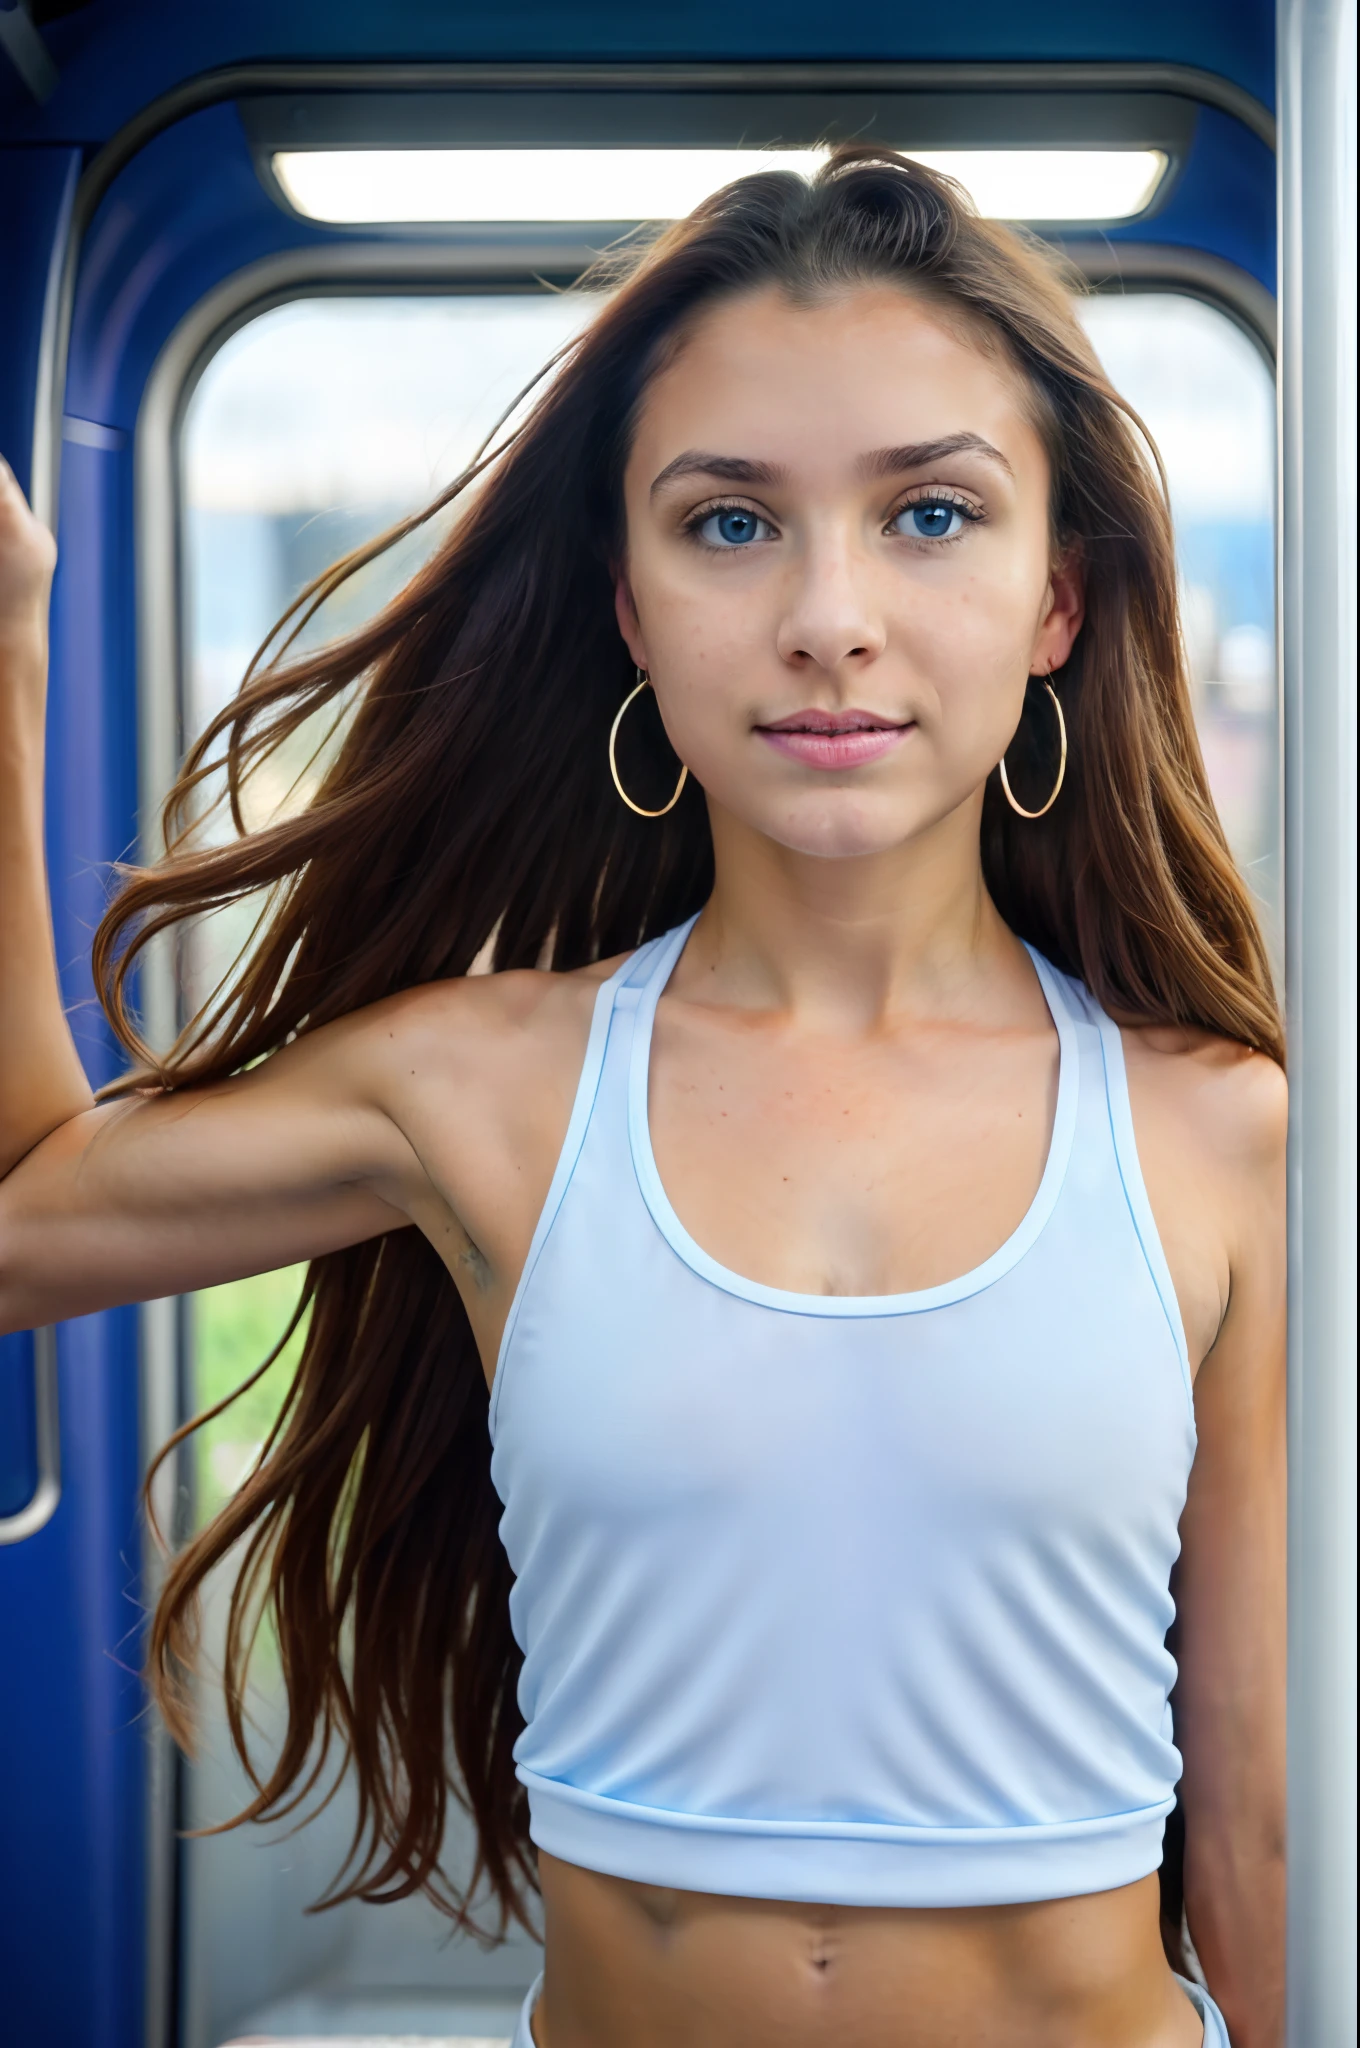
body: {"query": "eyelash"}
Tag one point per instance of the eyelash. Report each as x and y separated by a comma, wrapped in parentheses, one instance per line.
(970, 513)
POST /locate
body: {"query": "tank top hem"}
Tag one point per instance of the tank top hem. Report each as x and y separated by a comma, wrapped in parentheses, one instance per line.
(845, 1863)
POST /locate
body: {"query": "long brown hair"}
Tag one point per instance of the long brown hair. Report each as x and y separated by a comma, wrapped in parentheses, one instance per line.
(468, 805)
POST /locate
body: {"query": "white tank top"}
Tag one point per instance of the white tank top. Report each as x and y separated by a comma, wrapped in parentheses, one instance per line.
(852, 1599)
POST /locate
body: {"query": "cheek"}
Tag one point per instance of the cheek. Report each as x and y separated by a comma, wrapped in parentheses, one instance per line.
(689, 613)
(707, 639)
(970, 641)
(702, 703)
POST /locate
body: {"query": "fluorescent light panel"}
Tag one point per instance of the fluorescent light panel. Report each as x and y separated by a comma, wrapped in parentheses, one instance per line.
(349, 187)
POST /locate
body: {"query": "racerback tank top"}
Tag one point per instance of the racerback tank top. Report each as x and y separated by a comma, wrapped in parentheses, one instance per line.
(859, 1600)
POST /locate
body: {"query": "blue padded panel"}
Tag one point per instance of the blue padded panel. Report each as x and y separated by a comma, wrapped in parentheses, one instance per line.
(116, 55)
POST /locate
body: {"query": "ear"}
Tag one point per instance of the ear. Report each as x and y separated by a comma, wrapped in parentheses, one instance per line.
(625, 611)
(1064, 610)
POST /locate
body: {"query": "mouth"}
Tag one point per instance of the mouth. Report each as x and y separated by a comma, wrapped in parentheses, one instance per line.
(835, 739)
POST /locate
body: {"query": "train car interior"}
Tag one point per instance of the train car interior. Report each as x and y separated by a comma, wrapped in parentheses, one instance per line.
(271, 275)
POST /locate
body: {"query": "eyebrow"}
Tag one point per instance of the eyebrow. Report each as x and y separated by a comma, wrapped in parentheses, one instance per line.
(923, 454)
(740, 469)
(729, 469)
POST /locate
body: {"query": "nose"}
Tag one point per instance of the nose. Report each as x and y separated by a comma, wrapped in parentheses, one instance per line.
(831, 620)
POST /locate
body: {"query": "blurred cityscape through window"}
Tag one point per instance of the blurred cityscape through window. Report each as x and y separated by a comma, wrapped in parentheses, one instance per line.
(1208, 399)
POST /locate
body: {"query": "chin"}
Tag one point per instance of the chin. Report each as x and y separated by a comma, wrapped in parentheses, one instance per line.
(833, 833)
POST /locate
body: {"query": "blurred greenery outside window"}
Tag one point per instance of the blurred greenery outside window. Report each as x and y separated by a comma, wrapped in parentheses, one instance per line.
(233, 1328)
(324, 421)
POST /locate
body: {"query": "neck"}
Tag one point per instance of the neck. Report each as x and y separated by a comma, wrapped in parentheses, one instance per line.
(844, 943)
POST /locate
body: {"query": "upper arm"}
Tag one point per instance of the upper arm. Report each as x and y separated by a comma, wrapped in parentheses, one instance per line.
(443, 1106)
(1231, 1576)
(1211, 1122)
(159, 1193)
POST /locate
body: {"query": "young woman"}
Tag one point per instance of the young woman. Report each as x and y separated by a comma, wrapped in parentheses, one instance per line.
(853, 1204)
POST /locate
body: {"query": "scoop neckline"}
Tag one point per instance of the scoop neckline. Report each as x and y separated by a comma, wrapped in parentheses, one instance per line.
(1008, 1254)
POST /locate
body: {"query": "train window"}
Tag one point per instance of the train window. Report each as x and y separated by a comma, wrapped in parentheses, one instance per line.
(317, 424)
(1208, 398)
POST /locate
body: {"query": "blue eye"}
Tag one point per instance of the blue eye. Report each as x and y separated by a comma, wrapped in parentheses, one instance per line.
(931, 519)
(733, 527)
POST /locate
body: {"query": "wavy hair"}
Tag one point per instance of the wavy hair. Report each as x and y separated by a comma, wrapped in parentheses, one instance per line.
(467, 809)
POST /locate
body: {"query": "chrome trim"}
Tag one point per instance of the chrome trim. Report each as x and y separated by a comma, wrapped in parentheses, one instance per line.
(1316, 55)
(40, 1508)
(232, 81)
(1159, 266)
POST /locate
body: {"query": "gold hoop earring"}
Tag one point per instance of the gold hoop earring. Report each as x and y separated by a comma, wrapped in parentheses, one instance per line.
(1019, 809)
(643, 680)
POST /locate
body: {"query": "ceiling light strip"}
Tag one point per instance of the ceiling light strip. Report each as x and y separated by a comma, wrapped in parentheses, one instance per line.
(414, 187)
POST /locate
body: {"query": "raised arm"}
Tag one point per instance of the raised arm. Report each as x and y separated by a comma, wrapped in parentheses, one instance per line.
(143, 1197)
(442, 1106)
(42, 1083)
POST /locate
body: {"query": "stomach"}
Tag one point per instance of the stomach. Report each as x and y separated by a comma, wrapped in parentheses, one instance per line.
(636, 1966)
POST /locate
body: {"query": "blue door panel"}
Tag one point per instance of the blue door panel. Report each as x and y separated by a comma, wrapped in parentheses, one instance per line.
(39, 185)
(18, 1424)
(72, 1729)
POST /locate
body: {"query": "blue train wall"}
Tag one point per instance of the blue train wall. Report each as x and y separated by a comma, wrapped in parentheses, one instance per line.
(186, 211)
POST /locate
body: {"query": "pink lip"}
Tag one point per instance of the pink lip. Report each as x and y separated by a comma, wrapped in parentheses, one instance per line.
(841, 739)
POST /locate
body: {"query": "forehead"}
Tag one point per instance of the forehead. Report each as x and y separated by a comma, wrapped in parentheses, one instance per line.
(763, 376)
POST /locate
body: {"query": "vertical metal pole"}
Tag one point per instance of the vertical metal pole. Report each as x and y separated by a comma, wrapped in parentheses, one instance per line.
(1317, 56)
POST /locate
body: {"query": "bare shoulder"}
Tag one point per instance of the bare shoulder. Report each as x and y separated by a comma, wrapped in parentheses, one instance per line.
(478, 1074)
(493, 1035)
(528, 1003)
(1210, 1119)
(1231, 1103)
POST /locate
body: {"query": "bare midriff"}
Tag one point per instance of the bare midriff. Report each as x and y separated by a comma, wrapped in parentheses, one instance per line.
(638, 1966)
